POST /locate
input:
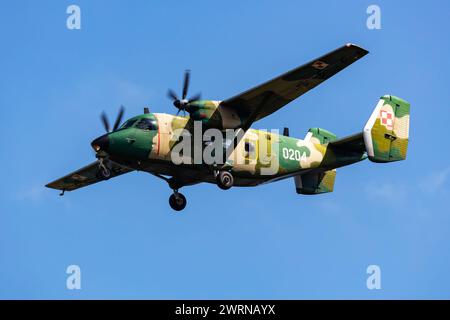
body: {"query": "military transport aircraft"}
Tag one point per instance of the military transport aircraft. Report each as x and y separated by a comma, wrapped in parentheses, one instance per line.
(145, 142)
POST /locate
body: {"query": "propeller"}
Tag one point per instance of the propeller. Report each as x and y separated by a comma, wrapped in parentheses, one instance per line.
(183, 103)
(105, 120)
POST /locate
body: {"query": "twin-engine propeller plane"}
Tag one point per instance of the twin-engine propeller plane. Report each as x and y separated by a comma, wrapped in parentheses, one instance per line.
(146, 142)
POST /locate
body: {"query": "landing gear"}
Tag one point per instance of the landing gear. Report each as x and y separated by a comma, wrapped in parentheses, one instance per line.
(177, 201)
(103, 173)
(224, 180)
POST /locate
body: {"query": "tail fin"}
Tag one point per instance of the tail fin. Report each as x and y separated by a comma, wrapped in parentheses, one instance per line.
(386, 133)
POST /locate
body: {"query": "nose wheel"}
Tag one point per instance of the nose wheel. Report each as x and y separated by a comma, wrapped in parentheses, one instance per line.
(177, 201)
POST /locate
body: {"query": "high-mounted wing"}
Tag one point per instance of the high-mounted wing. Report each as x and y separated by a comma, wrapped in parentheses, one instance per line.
(268, 97)
(84, 177)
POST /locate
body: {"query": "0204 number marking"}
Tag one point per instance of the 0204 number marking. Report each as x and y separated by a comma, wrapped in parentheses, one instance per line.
(292, 154)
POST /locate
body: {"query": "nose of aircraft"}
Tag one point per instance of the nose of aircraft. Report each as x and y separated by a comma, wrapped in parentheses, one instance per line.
(101, 143)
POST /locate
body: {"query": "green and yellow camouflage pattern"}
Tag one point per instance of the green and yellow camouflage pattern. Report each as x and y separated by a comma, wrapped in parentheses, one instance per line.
(148, 142)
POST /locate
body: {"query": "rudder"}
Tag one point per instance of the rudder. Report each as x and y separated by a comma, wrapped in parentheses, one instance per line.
(386, 133)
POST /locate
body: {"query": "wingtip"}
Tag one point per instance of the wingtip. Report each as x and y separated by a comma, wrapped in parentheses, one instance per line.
(352, 45)
(51, 186)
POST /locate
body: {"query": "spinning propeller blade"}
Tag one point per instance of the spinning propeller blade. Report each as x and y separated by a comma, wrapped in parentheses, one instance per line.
(105, 120)
(183, 103)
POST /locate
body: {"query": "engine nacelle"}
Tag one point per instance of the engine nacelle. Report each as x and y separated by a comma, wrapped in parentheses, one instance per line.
(213, 115)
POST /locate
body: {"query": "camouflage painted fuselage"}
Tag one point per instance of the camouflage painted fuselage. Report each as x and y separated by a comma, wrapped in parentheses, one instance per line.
(150, 143)
(260, 156)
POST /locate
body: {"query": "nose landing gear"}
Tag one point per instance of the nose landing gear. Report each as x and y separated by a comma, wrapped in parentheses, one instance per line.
(103, 172)
(177, 201)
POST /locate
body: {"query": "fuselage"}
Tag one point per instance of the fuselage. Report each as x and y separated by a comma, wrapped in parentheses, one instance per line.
(148, 143)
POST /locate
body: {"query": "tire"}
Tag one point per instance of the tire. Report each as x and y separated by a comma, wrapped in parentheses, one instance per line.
(177, 202)
(225, 180)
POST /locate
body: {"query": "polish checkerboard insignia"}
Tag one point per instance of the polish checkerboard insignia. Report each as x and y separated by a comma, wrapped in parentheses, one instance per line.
(319, 65)
(387, 119)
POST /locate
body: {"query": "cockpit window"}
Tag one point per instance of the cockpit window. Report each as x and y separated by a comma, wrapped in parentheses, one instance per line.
(128, 124)
(146, 124)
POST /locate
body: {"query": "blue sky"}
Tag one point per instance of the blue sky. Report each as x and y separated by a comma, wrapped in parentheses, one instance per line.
(264, 242)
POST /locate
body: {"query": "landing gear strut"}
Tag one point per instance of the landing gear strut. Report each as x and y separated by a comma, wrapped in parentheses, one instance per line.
(103, 172)
(224, 180)
(177, 201)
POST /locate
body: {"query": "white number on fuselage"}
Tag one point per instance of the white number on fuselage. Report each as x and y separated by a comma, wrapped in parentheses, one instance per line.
(291, 154)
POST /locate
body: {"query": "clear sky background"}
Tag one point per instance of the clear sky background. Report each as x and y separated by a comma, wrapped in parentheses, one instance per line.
(264, 242)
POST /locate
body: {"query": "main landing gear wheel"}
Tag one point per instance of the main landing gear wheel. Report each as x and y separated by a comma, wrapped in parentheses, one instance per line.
(224, 180)
(177, 201)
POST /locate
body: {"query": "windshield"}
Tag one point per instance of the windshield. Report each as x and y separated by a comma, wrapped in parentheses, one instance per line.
(128, 124)
(146, 124)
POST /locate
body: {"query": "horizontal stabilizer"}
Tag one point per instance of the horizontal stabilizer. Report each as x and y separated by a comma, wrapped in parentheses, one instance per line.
(315, 183)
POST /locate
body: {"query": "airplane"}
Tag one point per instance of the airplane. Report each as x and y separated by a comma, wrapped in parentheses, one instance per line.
(146, 142)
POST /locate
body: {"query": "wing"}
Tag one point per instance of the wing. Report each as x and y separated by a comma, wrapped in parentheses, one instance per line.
(84, 177)
(268, 97)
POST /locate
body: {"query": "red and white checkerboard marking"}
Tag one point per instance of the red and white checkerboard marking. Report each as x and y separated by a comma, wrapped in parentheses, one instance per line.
(387, 119)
